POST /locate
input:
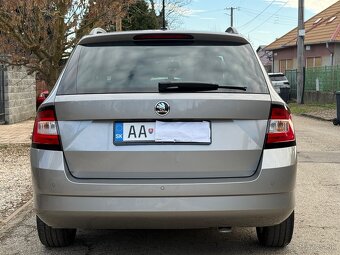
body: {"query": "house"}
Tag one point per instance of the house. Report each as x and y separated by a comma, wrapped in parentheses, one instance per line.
(265, 57)
(322, 42)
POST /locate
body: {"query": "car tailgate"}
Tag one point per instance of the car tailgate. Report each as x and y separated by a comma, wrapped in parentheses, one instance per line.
(238, 128)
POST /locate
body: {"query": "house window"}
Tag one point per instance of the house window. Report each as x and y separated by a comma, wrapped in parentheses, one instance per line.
(317, 21)
(313, 62)
(285, 64)
(331, 19)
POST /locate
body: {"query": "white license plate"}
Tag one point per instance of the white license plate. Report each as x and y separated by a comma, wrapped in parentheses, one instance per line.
(162, 132)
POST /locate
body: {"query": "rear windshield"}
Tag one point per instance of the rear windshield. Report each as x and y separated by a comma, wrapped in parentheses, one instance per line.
(128, 69)
(277, 77)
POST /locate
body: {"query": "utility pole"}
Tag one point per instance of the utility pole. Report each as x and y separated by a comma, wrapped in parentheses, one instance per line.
(300, 53)
(163, 16)
(231, 15)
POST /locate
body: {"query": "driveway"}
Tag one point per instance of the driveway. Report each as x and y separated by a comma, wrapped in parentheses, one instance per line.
(15, 173)
(317, 228)
(19, 133)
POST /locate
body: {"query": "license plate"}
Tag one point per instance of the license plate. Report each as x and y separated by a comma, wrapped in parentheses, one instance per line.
(134, 132)
(162, 132)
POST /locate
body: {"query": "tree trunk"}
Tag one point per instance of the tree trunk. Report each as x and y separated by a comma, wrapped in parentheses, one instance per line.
(52, 78)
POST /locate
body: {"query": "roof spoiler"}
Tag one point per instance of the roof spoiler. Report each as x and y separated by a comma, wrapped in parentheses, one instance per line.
(231, 30)
(97, 30)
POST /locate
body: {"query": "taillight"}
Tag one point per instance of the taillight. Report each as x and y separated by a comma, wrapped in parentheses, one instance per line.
(164, 36)
(45, 131)
(281, 130)
(42, 95)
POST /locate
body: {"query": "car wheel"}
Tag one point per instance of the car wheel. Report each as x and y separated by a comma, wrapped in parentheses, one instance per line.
(54, 237)
(278, 235)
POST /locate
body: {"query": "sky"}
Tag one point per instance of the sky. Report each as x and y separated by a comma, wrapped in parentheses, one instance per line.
(261, 21)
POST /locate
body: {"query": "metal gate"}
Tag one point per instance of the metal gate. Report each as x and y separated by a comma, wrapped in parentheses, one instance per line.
(2, 94)
(291, 76)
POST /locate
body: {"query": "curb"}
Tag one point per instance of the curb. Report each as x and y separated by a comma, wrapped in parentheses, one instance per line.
(2, 144)
(315, 117)
(12, 221)
(16, 212)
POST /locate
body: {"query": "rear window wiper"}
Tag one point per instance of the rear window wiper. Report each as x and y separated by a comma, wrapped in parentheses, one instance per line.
(193, 86)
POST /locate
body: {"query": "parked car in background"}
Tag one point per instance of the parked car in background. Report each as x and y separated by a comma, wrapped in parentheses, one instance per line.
(41, 98)
(279, 80)
(161, 130)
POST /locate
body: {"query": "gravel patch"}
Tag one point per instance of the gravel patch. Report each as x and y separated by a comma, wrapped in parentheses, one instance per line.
(15, 178)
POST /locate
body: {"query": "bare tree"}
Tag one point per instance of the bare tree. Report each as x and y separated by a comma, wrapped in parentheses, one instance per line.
(175, 10)
(40, 34)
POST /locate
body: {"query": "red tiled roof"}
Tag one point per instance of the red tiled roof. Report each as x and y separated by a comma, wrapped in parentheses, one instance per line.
(319, 29)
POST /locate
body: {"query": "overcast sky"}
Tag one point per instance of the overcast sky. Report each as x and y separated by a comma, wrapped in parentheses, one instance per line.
(261, 21)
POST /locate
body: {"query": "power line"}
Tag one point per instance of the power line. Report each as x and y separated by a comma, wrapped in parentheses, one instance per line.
(253, 11)
(232, 2)
(258, 14)
(276, 20)
(260, 40)
(268, 18)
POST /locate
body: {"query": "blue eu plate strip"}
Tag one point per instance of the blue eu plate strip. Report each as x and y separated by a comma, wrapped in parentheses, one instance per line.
(118, 132)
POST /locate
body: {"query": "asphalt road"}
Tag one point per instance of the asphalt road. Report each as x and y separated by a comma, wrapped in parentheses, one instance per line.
(317, 229)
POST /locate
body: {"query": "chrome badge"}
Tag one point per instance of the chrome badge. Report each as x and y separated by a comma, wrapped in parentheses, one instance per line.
(162, 108)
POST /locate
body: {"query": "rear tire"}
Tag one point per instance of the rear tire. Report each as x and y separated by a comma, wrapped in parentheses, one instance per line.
(278, 235)
(54, 237)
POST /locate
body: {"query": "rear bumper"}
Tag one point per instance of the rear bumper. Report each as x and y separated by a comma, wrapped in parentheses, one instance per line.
(166, 212)
(267, 198)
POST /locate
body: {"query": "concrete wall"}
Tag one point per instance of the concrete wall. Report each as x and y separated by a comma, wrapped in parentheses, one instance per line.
(319, 97)
(20, 95)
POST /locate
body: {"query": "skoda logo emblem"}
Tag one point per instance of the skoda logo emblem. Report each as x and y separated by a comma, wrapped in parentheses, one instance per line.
(162, 108)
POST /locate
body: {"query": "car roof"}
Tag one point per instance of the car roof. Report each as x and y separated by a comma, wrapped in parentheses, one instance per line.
(129, 36)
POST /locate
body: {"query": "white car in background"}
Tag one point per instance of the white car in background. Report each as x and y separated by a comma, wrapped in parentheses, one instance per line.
(279, 80)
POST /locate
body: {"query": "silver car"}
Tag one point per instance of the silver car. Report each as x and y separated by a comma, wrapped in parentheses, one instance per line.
(160, 130)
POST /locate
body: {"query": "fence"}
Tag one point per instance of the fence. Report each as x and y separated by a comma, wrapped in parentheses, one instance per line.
(291, 76)
(323, 79)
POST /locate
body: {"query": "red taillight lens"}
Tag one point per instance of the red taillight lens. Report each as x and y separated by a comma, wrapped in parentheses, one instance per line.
(281, 130)
(45, 131)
